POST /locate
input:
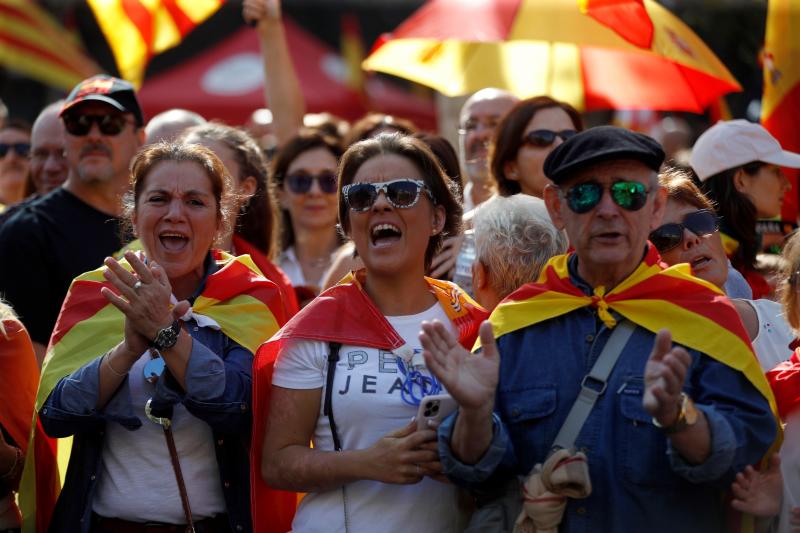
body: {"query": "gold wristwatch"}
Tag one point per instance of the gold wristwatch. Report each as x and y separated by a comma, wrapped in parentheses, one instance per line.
(687, 417)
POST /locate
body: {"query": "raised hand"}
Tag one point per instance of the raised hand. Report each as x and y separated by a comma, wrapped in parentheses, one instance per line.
(253, 11)
(397, 457)
(471, 379)
(664, 376)
(759, 493)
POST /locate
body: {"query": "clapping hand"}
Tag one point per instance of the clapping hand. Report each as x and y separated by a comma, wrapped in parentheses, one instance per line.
(759, 493)
(664, 376)
(471, 379)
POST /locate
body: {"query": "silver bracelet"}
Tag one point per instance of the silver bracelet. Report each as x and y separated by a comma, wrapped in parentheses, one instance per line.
(113, 371)
(14, 465)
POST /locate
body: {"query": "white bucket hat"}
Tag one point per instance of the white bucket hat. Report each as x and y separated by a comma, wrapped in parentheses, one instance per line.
(733, 143)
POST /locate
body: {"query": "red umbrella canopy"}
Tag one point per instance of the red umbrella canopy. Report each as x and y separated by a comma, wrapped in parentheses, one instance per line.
(227, 81)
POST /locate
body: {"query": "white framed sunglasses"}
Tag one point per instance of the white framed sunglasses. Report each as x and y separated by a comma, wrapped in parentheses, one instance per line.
(401, 193)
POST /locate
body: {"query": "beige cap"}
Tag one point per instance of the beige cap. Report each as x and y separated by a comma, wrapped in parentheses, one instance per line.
(733, 143)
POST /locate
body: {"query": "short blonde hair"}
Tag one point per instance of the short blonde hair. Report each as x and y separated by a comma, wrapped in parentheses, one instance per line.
(788, 288)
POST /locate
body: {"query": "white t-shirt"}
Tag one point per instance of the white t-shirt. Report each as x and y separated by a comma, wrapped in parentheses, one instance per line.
(367, 405)
(771, 344)
(136, 480)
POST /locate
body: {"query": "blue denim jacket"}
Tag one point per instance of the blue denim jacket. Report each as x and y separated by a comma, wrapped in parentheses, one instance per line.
(218, 392)
(639, 483)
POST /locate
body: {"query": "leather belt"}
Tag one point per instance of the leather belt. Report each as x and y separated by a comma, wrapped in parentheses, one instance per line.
(101, 524)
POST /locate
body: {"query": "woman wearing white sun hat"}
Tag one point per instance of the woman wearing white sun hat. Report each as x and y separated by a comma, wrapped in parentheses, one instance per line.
(738, 165)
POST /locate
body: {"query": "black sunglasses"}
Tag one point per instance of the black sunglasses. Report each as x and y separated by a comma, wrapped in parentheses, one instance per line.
(542, 138)
(629, 195)
(80, 125)
(21, 149)
(668, 236)
(401, 193)
(300, 182)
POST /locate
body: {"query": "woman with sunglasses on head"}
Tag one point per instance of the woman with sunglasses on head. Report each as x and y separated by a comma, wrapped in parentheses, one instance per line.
(304, 175)
(738, 165)
(149, 368)
(371, 467)
(256, 228)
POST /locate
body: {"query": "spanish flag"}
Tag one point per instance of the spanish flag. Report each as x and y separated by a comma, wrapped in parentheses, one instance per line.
(34, 44)
(345, 314)
(629, 18)
(697, 313)
(245, 305)
(19, 378)
(785, 382)
(136, 30)
(780, 104)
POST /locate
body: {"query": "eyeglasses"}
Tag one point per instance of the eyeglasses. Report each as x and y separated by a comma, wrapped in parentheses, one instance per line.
(20, 149)
(300, 182)
(401, 193)
(80, 125)
(42, 154)
(542, 138)
(629, 195)
(668, 236)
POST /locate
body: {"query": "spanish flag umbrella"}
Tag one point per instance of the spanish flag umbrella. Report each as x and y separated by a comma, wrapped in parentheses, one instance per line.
(594, 54)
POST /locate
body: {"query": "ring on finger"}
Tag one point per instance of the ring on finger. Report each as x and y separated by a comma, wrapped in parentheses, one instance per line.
(137, 284)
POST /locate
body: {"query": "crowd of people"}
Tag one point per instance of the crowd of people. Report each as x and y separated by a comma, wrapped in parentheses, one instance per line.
(200, 331)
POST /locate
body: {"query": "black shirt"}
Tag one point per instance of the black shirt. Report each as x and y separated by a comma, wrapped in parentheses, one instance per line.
(46, 244)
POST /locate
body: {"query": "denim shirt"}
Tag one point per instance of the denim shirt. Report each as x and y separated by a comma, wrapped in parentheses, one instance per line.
(218, 391)
(639, 482)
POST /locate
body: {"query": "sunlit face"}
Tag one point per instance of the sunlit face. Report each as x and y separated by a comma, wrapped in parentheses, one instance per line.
(477, 126)
(99, 158)
(313, 210)
(177, 218)
(528, 166)
(766, 189)
(704, 254)
(13, 166)
(48, 164)
(608, 239)
(393, 240)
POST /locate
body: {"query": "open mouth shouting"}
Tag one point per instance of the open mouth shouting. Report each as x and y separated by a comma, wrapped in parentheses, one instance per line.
(384, 234)
(173, 241)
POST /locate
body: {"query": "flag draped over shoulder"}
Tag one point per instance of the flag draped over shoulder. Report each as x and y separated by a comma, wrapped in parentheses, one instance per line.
(345, 314)
(780, 104)
(33, 43)
(697, 313)
(246, 306)
(19, 378)
(785, 382)
(136, 30)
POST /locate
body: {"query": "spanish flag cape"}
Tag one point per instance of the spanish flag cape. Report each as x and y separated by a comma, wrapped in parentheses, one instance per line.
(271, 272)
(19, 378)
(345, 314)
(245, 305)
(785, 382)
(696, 312)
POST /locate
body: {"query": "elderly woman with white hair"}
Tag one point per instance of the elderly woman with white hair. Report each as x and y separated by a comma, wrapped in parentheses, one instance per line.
(514, 238)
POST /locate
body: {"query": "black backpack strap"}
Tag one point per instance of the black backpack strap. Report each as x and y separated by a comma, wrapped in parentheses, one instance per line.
(327, 409)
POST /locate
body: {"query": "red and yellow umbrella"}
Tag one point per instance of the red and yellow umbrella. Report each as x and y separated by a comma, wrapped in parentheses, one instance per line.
(595, 54)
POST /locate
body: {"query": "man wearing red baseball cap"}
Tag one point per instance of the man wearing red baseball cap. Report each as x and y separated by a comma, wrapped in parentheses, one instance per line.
(73, 228)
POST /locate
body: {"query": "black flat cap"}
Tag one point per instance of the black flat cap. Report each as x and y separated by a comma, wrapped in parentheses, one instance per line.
(603, 143)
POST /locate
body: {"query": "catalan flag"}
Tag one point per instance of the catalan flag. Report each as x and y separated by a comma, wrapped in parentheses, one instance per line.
(136, 30)
(344, 313)
(34, 44)
(780, 104)
(246, 306)
(696, 312)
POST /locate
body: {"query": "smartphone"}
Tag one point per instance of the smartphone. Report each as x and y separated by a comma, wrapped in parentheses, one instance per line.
(436, 408)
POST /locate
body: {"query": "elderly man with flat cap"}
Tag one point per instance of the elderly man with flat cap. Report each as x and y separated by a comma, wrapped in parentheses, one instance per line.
(625, 396)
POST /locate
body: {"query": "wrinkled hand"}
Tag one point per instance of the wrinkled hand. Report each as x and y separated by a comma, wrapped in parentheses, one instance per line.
(759, 493)
(664, 376)
(471, 379)
(146, 309)
(256, 11)
(398, 456)
(444, 263)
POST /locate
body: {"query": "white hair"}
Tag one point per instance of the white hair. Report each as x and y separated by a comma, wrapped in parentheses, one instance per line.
(514, 238)
(169, 124)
